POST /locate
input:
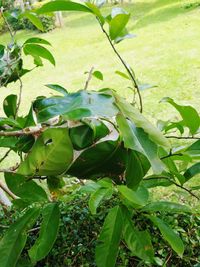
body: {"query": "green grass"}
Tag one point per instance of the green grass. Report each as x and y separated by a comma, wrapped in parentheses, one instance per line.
(165, 53)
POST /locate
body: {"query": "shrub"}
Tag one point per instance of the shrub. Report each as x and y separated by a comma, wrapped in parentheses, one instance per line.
(76, 241)
(48, 22)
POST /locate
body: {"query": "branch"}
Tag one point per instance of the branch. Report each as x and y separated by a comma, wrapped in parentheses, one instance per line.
(172, 155)
(26, 131)
(89, 78)
(6, 154)
(182, 137)
(125, 65)
(7, 24)
(173, 182)
(5, 189)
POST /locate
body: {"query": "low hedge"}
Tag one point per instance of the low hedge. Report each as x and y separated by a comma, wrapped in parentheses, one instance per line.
(75, 244)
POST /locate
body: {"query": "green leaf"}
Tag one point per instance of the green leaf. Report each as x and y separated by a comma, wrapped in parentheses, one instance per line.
(138, 140)
(14, 240)
(57, 88)
(135, 198)
(88, 133)
(109, 239)
(37, 40)
(122, 74)
(8, 141)
(136, 168)
(192, 171)
(165, 206)
(193, 150)
(97, 197)
(34, 19)
(96, 11)
(51, 154)
(189, 115)
(169, 235)
(62, 6)
(36, 50)
(9, 121)
(139, 242)
(48, 232)
(10, 106)
(100, 160)
(76, 106)
(97, 74)
(2, 48)
(151, 183)
(117, 24)
(29, 191)
(141, 122)
(105, 183)
(90, 187)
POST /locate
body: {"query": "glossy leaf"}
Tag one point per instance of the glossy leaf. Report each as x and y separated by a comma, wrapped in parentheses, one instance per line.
(34, 19)
(136, 167)
(192, 171)
(165, 206)
(36, 50)
(193, 150)
(122, 74)
(117, 24)
(96, 10)
(51, 154)
(10, 106)
(169, 235)
(97, 74)
(109, 239)
(105, 159)
(189, 115)
(135, 198)
(156, 181)
(141, 122)
(76, 106)
(37, 40)
(97, 197)
(29, 191)
(13, 241)
(62, 6)
(9, 121)
(138, 140)
(139, 242)
(9, 142)
(58, 88)
(48, 232)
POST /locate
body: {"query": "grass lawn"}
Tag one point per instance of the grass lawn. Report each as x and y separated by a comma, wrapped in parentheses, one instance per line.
(165, 53)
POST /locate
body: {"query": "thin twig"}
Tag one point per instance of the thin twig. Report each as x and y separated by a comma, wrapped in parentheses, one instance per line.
(182, 137)
(7, 24)
(34, 229)
(25, 131)
(6, 190)
(89, 78)
(6, 171)
(173, 182)
(6, 154)
(125, 65)
(172, 155)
